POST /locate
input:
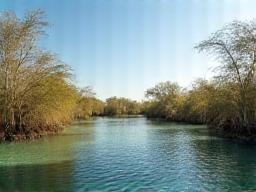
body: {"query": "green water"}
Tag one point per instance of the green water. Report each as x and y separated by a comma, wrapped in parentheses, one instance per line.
(129, 154)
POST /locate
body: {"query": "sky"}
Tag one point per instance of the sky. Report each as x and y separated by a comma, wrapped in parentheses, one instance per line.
(123, 47)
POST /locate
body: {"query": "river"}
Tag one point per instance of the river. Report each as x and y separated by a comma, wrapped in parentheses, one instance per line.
(128, 154)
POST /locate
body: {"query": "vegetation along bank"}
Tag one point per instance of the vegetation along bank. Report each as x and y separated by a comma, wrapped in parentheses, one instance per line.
(38, 96)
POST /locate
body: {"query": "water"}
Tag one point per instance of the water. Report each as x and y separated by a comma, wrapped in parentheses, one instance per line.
(132, 154)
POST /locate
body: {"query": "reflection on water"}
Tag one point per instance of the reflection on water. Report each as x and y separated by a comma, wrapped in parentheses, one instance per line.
(132, 154)
(34, 177)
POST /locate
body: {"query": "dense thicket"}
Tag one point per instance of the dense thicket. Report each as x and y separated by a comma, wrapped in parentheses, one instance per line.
(235, 47)
(35, 90)
(228, 102)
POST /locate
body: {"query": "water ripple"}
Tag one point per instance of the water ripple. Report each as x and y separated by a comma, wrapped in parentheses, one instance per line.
(129, 155)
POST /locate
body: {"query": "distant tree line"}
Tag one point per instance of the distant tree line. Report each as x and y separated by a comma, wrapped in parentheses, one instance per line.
(88, 106)
(121, 106)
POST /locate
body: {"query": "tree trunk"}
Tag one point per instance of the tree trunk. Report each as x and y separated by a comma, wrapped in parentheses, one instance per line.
(245, 120)
(20, 119)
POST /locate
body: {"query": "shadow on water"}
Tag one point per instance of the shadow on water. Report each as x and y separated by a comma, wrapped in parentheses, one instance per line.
(200, 160)
(36, 177)
(226, 165)
(45, 165)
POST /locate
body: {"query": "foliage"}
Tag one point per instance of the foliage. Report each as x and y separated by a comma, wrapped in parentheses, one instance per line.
(37, 94)
(165, 100)
(35, 88)
(181, 104)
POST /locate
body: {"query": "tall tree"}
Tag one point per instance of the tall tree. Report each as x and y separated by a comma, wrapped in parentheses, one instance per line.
(235, 46)
(26, 69)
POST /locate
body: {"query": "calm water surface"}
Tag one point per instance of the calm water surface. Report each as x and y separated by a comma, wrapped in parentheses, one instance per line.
(132, 154)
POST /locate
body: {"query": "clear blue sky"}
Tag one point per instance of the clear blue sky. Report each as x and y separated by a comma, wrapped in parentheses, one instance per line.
(123, 47)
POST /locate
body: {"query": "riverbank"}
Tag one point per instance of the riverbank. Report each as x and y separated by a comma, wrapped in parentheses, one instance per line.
(51, 130)
(31, 135)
